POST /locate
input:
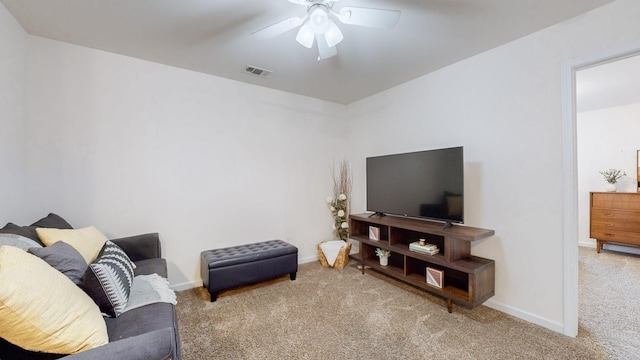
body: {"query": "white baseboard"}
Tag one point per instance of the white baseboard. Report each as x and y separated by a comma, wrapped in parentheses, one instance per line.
(534, 319)
(308, 259)
(587, 244)
(186, 285)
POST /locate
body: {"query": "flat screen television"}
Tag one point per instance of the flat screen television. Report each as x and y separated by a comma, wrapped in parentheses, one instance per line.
(424, 184)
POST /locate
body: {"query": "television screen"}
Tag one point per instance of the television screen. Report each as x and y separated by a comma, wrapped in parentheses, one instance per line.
(425, 184)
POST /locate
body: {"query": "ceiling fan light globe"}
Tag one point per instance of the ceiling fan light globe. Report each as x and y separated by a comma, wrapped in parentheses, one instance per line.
(305, 36)
(319, 20)
(333, 35)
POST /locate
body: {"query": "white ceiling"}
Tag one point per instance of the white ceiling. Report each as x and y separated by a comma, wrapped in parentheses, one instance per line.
(213, 37)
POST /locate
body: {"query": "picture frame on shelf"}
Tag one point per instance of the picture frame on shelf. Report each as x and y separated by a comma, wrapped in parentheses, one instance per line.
(374, 233)
(434, 277)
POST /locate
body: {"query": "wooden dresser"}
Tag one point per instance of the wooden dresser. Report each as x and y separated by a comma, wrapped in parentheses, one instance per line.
(615, 218)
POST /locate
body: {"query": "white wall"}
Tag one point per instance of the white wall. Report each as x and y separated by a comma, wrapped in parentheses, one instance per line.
(606, 138)
(13, 41)
(132, 146)
(504, 106)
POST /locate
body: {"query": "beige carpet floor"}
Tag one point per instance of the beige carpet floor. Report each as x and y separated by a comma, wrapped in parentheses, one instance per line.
(342, 314)
(610, 302)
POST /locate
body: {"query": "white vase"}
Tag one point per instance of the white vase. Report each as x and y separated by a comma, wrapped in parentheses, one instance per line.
(611, 187)
(384, 261)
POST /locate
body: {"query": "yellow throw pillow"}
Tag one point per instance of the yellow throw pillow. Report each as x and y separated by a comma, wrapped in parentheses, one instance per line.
(88, 241)
(42, 310)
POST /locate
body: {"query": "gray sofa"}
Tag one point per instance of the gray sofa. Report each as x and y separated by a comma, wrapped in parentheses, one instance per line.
(149, 332)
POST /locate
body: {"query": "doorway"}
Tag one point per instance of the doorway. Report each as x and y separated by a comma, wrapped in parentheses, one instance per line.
(570, 179)
(607, 113)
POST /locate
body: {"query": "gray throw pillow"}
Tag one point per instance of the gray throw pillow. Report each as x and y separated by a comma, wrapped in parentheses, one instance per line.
(64, 258)
(26, 231)
(18, 241)
(50, 221)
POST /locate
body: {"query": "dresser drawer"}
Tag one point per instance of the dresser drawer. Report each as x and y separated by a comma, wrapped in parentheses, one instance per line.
(616, 236)
(615, 226)
(604, 226)
(622, 201)
(615, 216)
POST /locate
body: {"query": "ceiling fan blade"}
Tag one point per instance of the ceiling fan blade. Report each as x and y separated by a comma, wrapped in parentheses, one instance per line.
(324, 50)
(377, 18)
(278, 28)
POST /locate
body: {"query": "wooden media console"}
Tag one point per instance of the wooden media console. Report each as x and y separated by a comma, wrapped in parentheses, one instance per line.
(466, 280)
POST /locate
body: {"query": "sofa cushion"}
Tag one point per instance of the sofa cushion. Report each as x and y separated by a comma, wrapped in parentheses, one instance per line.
(159, 344)
(141, 320)
(18, 241)
(151, 266)
(88, 241)
(108, 280)
(42, 310)
(140, 247)
(64, 258)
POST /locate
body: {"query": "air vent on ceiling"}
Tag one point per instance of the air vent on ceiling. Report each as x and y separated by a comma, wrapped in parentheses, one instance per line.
(256, 71)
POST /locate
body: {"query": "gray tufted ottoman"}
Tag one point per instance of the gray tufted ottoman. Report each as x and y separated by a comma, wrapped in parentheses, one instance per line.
(236, 266)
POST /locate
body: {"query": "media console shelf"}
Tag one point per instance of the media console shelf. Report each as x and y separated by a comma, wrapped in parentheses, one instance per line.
(467, 280)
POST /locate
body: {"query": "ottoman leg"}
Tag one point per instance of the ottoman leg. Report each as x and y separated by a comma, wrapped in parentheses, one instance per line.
(214, 296)
(293, 275)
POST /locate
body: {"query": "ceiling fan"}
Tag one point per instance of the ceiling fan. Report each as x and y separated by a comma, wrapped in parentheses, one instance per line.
(318, 24)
